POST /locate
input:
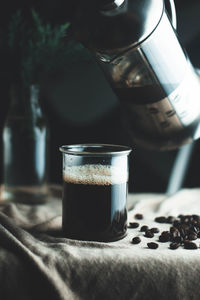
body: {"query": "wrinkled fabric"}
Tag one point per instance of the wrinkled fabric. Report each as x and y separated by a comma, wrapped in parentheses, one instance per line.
(37, 262)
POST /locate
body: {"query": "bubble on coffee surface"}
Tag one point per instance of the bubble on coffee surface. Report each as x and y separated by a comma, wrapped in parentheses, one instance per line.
(95, 174)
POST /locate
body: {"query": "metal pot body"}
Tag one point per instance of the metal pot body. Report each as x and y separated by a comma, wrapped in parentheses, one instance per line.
(158, 88)
(136, 45)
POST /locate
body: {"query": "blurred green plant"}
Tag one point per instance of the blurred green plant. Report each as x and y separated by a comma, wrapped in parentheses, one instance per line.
(32, 49)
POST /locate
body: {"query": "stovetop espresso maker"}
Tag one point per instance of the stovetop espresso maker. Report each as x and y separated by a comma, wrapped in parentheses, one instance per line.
(135, 42)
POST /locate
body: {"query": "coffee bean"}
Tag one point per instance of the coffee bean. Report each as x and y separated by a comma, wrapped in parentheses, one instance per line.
(149, 234)
(173, 229)
(176, 223)
(144, 228)
(152, 245)
(180, 216)
(166, 233)
(134, 225)
(186, 219)
(195, 229)
(136, 240)
(174, 236)
(165, 237)
(185, 227)
(160, 219)
(170, 220)
(189, 245)
(139, 216)
(177, 239)
(174, 246)
(182, 232)
(196, 217)
(194, 222)
(155, 230)
(175, 233)
(192, 236)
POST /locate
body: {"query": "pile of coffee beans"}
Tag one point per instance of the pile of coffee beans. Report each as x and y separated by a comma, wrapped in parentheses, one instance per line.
(183, 231)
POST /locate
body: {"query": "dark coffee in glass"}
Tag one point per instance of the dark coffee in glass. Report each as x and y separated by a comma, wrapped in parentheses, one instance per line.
(94, 197)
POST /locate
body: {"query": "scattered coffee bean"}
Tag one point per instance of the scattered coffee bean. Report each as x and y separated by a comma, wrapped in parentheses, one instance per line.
(149, 234)
(152, 245)
(173, 229)
(176, 223)
(166, 233)
(184, 230)
(160, 219)
(196, 217)
(134, 225)
(195, 229)
(175, 234)
(165, 237)
(174, 246)
(192, 236)
(177, 239)
(170, 220)
(186, 227)
(189, 245)
(186, 219)
(136, 240)
(155, 230)
(194, 222)
(144, 228)
(139, 216)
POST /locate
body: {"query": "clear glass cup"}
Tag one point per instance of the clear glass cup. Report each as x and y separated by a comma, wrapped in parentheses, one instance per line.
(95, 179)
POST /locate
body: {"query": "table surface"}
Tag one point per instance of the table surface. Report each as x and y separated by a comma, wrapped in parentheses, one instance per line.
(37, 262)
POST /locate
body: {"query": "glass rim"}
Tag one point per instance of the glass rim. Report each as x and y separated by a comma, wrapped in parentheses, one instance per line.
(83, 149)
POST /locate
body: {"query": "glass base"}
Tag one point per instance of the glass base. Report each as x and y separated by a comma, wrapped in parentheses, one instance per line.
(95, 238)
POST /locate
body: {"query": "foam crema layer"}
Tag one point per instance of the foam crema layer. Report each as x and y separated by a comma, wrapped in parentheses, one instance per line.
(95, 175)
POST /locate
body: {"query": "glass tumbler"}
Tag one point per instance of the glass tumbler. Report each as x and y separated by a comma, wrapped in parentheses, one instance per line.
(95, 178)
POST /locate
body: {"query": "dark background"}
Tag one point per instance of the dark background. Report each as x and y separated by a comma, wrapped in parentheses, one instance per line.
(81, 108)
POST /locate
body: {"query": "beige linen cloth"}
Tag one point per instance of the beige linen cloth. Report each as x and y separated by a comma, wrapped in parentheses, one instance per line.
(36, 262)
